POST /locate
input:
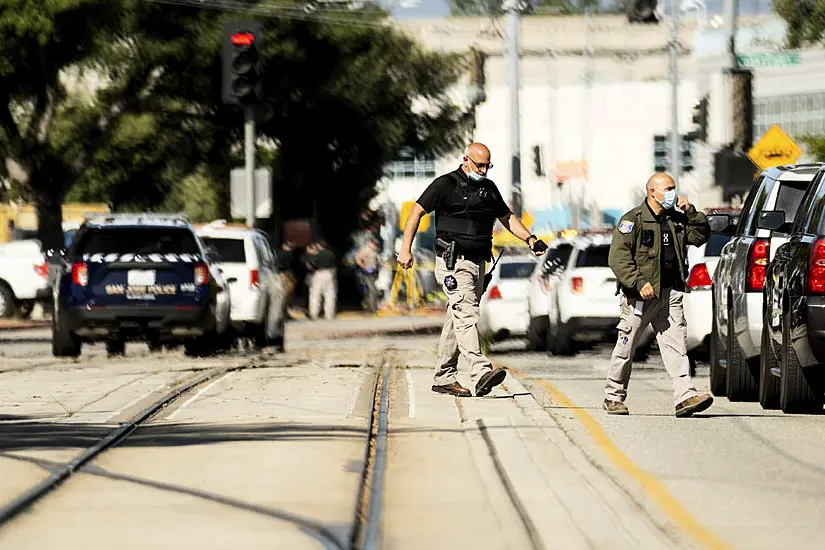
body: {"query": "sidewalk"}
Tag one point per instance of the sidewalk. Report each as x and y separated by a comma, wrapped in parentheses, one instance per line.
(364, 326)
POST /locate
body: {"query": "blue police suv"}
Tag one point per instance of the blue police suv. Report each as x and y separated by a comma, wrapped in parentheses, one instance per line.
(145, 277)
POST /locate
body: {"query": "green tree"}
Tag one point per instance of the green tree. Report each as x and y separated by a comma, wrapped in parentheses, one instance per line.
(805, 20)
(815, 146)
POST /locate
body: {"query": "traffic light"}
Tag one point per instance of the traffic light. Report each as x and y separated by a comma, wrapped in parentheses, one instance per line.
(642, 11)
(538, 169)
(700, 119)
(242, 65)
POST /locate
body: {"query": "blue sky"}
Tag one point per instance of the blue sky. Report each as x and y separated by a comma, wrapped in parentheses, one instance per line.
(409, 9)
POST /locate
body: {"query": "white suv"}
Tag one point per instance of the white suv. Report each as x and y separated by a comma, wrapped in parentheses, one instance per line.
(257, 295)
(548, 271)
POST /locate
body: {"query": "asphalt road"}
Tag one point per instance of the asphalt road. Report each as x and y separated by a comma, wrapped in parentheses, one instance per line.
(537, 464)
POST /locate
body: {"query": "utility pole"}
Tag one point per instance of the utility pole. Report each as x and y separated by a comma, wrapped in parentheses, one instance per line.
(513, 23)
(587, 123)
(249, 154)
(675, 145)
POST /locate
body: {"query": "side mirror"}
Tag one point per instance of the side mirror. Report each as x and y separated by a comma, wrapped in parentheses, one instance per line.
(773, 220)
(721, 223)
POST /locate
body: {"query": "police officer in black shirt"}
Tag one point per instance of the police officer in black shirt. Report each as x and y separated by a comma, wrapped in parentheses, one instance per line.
(466, 206)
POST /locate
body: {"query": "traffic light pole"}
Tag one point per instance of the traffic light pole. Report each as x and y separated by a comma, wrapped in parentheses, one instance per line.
(675, 145)
(249, 155)
(513, 22)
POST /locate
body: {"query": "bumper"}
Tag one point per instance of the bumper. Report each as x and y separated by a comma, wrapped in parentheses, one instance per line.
(43, 295)
(163, 320)
(698, 306)
(246, 307)
(815, 314)
(502, 318)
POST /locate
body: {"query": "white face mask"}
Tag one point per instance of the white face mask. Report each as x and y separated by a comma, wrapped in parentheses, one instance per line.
(669, 200)
(475, 176)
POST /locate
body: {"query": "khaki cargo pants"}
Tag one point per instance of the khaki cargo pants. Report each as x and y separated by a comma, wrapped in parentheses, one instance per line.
(667, 316)
(459, 337)
(323, 286)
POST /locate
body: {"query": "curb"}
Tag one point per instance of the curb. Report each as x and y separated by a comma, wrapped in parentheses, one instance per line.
(23, 325)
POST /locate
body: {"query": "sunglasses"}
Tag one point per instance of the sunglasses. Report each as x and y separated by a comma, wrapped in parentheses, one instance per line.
(482, 165)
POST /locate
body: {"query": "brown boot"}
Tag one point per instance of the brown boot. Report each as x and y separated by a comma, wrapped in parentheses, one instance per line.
(615, 407)
(490, 380)
(455, 389)
(695, 404)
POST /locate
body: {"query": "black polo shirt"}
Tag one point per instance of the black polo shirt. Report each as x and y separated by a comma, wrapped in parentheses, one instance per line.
(477, 201)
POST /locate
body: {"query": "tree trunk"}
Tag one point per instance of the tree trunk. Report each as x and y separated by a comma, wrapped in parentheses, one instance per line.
(49, 220)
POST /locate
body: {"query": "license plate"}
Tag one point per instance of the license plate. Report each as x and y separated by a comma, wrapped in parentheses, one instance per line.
(141, 277)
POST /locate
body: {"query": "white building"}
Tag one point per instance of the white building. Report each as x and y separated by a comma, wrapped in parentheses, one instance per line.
(594, 93)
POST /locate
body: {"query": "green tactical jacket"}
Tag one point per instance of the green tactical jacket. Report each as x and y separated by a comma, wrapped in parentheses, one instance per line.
(635, 260)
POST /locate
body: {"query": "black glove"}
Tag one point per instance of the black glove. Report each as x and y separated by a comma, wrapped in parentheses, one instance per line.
(538, 246)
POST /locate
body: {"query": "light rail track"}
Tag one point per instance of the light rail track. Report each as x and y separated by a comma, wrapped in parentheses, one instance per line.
(365, 532)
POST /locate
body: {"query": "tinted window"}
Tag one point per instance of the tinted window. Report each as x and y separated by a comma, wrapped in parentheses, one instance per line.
(750, 218)
(135, 240)
(593, 256)
(517, 270)
(229, 250)
(715, 244)
(790, 196)
(559, 256)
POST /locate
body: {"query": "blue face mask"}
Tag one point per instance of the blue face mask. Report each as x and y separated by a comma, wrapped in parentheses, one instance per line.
(475, 176)
(669, 200)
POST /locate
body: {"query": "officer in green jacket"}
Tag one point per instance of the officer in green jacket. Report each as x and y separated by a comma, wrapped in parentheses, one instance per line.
(648, 254)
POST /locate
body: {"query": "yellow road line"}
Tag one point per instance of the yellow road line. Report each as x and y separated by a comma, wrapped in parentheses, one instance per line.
(652, 486)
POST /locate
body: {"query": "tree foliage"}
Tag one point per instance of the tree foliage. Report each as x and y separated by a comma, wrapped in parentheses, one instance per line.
(341, 101)
(805, 20)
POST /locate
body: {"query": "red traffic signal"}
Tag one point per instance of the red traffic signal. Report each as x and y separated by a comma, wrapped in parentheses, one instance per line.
(243, 38)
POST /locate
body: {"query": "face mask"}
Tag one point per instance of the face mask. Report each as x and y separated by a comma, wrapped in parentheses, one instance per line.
(669, 200)
(475, 176)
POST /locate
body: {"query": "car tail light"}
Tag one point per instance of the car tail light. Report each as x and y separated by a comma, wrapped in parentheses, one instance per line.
(495, 293)
(699, 278)
(201, 274)
(80, 274)
(816, 272)
(757, 263)
(42, 270)
(254, 278)
(577, 285)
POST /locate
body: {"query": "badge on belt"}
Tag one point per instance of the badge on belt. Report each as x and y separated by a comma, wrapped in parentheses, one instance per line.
(450, 282)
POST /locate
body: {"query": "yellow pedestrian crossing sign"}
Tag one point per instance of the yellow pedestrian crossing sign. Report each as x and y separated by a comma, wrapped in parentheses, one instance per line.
(776, 148)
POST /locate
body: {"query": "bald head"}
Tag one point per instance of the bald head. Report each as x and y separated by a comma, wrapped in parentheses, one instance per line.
(661, 182)
(476, 159)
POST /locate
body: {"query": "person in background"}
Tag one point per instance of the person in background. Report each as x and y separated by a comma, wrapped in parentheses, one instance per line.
(367, 258)
(323, 284)
(286, 268)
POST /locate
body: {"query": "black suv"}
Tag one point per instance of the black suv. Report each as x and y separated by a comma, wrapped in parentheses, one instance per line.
(139, 277)
(793, 331)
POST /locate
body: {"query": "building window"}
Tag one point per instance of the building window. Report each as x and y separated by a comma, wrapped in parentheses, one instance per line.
(797, 114)
(410, 166)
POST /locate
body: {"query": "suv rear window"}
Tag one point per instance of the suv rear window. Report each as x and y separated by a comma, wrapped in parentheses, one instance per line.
(517, 270)
(138, 240)
(790, 196)
(593, 256)
(715, 244)
(229, 250)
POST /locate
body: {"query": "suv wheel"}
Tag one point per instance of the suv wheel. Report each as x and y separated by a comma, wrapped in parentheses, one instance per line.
(8, 306)
(741, 382)
(64, 343)
(115, 347)
(768, 383)
(717, 355)
(796, 392)
(537, 333)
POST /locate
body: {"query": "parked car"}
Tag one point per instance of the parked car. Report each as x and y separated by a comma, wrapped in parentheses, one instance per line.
(792, 366)
(547, 272)
(739, 279)
(257, 294)
(139, 277)
(702, 262)
(503, 308)
(23, 277)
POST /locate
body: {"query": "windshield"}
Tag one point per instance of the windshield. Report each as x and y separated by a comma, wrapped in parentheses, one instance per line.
(593, 256)
(517, 270)
(229, 250)
(134, 240)
(715, 244)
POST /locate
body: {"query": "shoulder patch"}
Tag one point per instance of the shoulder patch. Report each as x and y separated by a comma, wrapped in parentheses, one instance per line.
(625, 226)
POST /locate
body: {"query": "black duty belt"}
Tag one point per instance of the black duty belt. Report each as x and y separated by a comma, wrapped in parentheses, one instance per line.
(475, 258)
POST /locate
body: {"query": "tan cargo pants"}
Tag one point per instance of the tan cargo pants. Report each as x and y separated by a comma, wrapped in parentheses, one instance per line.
(323, 286)
(459, 337)
(667, 316)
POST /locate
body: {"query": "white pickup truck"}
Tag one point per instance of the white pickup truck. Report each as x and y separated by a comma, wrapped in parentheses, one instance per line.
(23, 277)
